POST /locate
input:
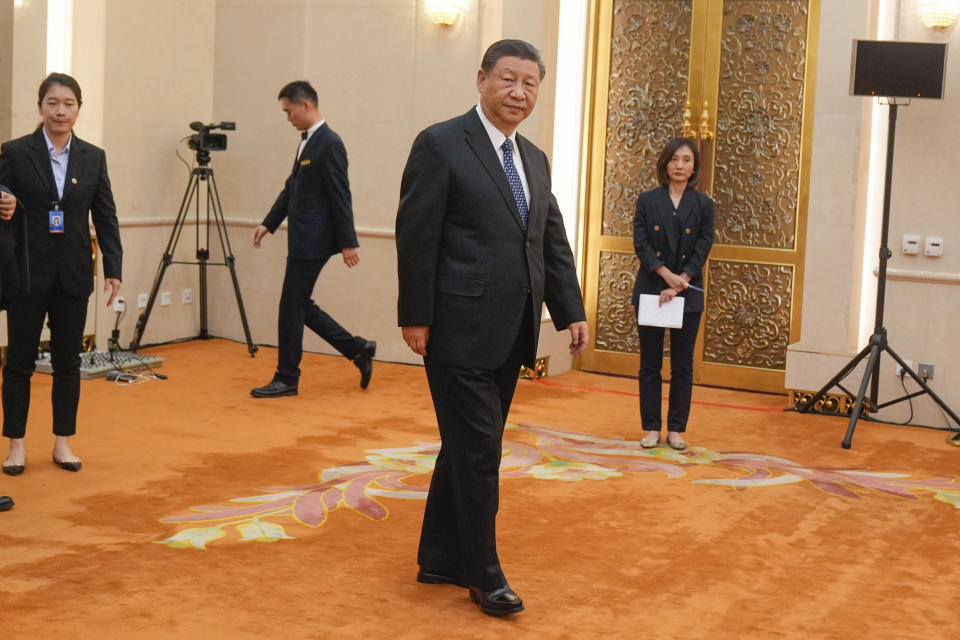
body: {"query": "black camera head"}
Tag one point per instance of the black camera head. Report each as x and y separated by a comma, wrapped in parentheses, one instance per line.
(203, 142)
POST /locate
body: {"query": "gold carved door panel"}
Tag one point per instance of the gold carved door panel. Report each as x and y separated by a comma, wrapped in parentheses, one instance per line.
(736, 75)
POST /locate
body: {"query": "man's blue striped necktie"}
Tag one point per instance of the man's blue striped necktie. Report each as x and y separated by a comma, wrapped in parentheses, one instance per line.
(513, 177)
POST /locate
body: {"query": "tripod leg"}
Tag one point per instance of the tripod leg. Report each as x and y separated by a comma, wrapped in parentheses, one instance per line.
(202, 257)
(145, 316)
(858, 406)
(165, 261)
(812, 402)
(923, 385)
(243, 314)
(230, 260)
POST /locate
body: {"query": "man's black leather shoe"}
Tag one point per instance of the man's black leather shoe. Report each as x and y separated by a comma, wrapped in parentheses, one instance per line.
(500, 602)
(274, 390)
(6, 503)
(364, 362)
(435, 577)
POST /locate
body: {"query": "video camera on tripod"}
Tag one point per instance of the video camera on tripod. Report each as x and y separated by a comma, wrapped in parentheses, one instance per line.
(203, 142)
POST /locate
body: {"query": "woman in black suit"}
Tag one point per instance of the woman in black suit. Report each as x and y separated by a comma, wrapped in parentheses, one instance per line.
(61, 183)
(672, 236)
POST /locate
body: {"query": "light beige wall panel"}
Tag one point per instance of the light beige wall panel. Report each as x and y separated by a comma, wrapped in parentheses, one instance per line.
(444, 77)
(373, 105)
(29, 65)
(536, 21)
(89, 37)
(831, 289)
(921, 316)
(259, 48)
(921, 324)
(159, 65)
(6, 67)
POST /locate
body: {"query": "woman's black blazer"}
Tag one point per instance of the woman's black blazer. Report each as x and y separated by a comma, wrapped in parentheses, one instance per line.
(681, 242)
(43, 256)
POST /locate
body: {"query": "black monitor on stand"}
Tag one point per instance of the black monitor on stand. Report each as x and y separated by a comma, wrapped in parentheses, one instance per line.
(895, 72)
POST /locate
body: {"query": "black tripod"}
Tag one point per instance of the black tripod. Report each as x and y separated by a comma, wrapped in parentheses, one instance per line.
(878, 341)
(202, 173)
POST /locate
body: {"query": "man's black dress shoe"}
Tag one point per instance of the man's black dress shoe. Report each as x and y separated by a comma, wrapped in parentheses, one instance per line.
(74, 465)
(274, 390)
(364, 362)
(13, 469)
(499, 602)
(6, 503)
(435, 577)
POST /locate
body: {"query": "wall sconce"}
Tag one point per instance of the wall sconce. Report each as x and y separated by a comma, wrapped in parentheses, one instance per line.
(938, 14)
(443, 12)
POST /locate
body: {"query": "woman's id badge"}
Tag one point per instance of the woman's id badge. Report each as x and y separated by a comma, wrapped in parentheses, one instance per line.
(56, 220)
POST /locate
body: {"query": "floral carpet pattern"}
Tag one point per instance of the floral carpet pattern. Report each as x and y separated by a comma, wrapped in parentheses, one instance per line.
(553, 455)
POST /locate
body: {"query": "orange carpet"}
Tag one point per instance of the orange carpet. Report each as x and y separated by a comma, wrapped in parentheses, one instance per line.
(204, 513)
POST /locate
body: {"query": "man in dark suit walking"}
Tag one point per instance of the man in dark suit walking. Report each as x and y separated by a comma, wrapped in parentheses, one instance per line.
(316, 203)
(480, 247)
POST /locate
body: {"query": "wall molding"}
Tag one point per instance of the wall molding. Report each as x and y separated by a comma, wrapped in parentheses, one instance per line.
(912, 275)
(363, 232)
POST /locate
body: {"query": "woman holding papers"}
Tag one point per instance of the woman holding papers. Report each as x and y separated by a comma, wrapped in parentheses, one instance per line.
(672, 236)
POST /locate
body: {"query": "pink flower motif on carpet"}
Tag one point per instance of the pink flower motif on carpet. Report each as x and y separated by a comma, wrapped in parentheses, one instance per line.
(567, 456)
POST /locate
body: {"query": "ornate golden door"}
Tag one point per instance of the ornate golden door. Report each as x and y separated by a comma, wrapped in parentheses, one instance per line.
(748, 67)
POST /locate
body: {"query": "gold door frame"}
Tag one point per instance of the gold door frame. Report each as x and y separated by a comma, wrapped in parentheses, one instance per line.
(703, 93)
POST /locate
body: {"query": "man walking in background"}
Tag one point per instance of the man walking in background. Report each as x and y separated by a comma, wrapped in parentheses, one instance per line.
(480, 247)
(316, 203)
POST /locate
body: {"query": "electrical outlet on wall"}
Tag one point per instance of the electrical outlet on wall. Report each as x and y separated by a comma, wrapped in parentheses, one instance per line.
(142, 300)
(165, 299)
(187, 296)
(899, 369)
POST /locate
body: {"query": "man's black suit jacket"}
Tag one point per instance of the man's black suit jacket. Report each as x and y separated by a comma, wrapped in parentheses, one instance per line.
(316, 200)
(466, 267)
(682, 242)
(41, 255)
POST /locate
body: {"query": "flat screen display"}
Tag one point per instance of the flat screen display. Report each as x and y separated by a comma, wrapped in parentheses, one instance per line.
(898, 69)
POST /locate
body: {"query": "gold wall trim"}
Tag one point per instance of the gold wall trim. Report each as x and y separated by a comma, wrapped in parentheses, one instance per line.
(541, 369)
(830, 403)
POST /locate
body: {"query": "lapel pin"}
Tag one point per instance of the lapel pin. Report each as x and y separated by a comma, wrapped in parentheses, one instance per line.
(73, 180)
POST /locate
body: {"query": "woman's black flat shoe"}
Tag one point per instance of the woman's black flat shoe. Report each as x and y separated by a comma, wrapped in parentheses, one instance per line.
(69, 466)
(13, 469)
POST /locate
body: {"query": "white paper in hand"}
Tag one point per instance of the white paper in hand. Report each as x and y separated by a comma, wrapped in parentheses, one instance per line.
(651, 314)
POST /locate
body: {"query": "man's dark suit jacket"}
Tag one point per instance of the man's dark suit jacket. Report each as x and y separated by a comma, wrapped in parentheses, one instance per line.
(316, 200)
(680, 242)
(41, 255)
(466, 267)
